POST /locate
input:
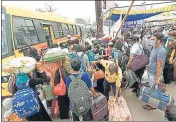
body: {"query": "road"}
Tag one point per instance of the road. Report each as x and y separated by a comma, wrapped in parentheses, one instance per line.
(135, 106)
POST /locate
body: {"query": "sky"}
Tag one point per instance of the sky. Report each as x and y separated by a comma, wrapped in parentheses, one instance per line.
(75, 9)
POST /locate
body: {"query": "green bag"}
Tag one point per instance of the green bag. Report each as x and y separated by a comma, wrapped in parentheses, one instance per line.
(131, 78)
(54, 55)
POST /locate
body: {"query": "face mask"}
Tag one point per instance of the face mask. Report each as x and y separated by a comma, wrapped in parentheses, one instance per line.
(153, 44)
(170, 38)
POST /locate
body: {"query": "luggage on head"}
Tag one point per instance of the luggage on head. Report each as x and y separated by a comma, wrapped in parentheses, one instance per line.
(19, 65)
(54, 55)
(99, 107)
(80, 98)
(118, 110)
(155, 97)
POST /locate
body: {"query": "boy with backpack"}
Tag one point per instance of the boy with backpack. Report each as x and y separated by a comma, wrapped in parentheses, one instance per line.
(78, 86)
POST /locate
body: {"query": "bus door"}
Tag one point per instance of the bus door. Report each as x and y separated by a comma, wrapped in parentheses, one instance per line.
(48, 31)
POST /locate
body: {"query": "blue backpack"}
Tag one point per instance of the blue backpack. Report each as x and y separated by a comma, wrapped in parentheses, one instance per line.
(83, 63)
(25, 101)
(72, 55)
(91, 55)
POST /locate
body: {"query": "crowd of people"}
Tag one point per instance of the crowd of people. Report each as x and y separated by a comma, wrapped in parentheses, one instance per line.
(82, 63)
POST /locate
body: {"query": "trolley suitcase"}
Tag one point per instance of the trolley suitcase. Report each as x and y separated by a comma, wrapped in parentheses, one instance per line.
(99, 107)
(118, 111)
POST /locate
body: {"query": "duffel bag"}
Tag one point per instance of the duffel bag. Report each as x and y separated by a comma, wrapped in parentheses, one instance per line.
(155, 98)
(139, 62)
(54, 55)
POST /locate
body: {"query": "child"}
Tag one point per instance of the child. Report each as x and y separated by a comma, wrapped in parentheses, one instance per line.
(42, 95)
(9, 114)
(47, 87)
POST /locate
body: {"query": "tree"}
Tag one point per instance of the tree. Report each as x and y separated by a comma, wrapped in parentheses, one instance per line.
(80, 21)
(48, 8)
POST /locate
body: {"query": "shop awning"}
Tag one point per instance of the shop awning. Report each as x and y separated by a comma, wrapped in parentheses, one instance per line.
(135, 15)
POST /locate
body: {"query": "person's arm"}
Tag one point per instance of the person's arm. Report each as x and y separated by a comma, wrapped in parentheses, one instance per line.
(161, 57)
(118, 82)
(171, 61)
(129, 62)
(93, 91)
(133, 51)
(159, 71)
(86, 78)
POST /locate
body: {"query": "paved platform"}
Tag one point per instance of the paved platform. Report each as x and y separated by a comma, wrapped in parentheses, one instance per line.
(141, 114)
(135, 106)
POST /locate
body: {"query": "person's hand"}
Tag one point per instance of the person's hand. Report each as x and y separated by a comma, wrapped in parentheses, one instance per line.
(157, 81)
(128, 66)
(95, 94)
(116, 98)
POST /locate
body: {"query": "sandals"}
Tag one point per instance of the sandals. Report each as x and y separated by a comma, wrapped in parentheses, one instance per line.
(148, 107)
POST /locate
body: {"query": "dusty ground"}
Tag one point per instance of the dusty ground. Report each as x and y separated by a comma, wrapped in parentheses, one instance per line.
(135, 106)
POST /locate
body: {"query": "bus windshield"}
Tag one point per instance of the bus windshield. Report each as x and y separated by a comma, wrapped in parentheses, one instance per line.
(4, 45)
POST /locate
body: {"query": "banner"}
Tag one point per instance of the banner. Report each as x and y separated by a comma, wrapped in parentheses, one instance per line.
(150, 11)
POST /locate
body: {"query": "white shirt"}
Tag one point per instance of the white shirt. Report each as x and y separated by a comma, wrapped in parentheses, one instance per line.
(136, 49)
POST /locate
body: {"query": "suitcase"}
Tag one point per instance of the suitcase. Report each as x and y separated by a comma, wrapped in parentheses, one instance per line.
(118, 111)
(139, 62)
(155, 98)
(99, 107)
(54, 55)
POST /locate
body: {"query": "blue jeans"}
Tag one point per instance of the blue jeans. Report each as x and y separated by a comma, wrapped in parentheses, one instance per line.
(106, 86)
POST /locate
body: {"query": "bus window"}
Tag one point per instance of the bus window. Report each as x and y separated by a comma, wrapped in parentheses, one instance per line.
(61, 33)
(24, 33)
(4, 45)
(65, 29)
(71, 29)
(57, 30)
(76, 32)
(47, 34)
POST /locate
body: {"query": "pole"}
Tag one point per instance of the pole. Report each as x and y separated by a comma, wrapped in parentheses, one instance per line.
(99, 19)
(109, 22)
(125, 17)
